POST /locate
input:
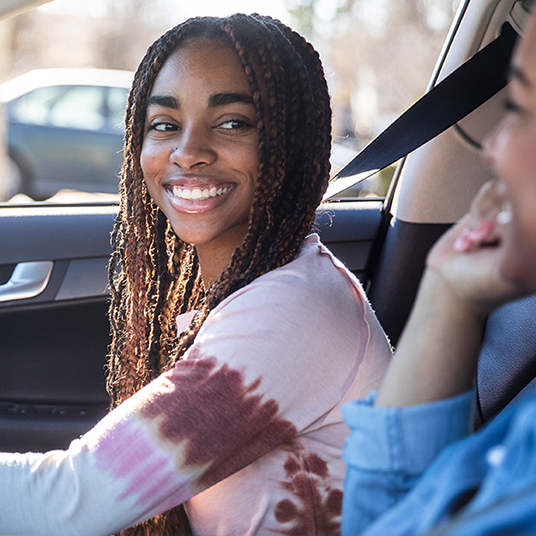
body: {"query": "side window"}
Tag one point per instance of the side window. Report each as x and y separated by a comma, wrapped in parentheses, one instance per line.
(61, 106)
(80, 107)
(378, 56)
(117, 99)
(34, 107)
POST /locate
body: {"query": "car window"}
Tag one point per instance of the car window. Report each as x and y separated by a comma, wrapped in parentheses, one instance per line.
(34, 107)
(68, 107)
(117, 98)
(79, 107)
(378, 57)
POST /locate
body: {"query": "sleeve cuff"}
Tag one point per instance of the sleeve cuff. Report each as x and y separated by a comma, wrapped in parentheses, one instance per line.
(403, 439)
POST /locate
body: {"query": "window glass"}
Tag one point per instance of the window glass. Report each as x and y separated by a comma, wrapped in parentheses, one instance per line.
(117, 98)
(34, 108)
(79, 107)
(378, 57)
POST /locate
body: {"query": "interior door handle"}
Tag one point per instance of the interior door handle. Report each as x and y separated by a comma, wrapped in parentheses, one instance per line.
(27, 280)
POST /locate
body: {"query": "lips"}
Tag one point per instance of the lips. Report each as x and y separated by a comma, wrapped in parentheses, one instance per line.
(197, 195)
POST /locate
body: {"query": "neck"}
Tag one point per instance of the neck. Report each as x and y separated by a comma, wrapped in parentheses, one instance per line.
(214, 256)
(212, 263)
(211, 267)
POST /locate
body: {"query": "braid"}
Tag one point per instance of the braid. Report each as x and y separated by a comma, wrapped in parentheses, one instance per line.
(153, 275)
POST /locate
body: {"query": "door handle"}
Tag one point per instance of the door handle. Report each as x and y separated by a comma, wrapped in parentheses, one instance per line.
(27, 280)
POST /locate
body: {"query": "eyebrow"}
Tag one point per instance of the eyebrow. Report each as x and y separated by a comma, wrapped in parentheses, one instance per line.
(518, 74)
(164, 101)
(218, 99)
(222, 99)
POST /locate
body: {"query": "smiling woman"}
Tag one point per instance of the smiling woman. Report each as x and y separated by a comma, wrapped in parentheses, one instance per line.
(236, 333)
(200, 152)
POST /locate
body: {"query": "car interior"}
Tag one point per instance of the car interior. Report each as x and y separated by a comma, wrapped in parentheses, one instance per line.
(54, 329)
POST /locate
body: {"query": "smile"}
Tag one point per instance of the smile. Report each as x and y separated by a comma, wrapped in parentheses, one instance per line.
(198, 194)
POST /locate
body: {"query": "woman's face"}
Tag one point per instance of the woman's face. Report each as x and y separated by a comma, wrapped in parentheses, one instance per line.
(511, 151)
(200, 149)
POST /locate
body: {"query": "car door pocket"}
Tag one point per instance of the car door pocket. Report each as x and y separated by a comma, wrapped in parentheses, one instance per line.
(28, 280)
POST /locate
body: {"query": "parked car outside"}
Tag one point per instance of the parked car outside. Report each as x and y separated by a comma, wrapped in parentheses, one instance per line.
(64, 130)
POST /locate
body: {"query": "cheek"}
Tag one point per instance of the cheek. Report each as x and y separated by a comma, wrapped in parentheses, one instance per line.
(149, 167)
(147, 160)
(513, 158)
(245, 158)
(515, 163)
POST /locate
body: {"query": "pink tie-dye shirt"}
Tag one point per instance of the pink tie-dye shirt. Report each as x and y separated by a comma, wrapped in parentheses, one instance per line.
(246, 430)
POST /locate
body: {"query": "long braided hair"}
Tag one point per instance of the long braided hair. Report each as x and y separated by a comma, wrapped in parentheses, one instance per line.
(154, 276)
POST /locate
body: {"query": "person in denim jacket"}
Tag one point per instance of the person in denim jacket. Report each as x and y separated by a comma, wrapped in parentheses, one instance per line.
(413, 467)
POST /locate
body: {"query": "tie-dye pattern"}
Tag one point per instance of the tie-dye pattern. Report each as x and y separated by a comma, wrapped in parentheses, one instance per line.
(225, 424)
(130, 455)
(246, 430)
(316, 508)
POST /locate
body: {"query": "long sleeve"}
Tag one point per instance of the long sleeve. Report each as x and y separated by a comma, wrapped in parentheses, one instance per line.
(477, 485)
(246, 430)
(390, 448)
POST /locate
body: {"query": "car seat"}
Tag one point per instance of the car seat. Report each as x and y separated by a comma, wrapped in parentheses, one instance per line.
(507, 366)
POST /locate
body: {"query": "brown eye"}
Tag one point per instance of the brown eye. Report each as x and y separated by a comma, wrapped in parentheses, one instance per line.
(163, 127)
(235, 124)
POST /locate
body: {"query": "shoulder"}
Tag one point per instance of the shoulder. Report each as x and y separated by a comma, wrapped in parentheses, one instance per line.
(312, 296)
(315, 274)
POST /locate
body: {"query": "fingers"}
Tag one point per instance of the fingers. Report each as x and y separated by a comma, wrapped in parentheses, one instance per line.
(469, 255)
(471, 238)
(489, 211)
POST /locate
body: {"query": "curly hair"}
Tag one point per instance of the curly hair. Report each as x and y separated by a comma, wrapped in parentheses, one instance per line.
(154, 276)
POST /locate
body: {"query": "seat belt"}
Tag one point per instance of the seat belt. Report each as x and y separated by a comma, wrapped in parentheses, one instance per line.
(460, 93)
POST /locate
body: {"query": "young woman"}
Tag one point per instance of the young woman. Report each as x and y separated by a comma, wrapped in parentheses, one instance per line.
(237, 334)
(417, 478)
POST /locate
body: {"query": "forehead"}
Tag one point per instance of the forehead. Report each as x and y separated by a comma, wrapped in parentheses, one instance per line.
(202, 64)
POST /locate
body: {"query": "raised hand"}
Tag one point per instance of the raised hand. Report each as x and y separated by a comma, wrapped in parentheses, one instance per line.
(467, 258)
(438, 351)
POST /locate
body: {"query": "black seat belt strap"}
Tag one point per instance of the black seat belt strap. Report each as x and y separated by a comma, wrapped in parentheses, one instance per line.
(464, 90)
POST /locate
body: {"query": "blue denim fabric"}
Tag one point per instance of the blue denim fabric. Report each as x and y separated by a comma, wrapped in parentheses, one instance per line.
(408, 470)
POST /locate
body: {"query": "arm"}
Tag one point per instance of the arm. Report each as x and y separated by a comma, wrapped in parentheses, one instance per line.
(420, 408)
(462, 284)
(187, 430)
(239, 393)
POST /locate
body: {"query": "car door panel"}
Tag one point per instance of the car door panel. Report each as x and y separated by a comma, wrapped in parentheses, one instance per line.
(52, 386)
(349, 229)
(53, 346)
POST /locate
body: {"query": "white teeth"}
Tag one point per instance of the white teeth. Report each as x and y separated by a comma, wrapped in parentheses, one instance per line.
(197, 194)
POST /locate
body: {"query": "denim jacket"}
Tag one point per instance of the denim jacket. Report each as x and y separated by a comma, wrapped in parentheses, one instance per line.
(415, 468)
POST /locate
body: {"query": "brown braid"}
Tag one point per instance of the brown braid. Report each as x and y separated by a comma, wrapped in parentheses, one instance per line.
(154, 276)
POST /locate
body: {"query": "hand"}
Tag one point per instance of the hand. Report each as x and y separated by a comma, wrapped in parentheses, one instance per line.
(468, 257)
(437, 353)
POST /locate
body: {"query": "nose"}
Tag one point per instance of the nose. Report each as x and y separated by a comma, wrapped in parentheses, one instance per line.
(193, 149)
